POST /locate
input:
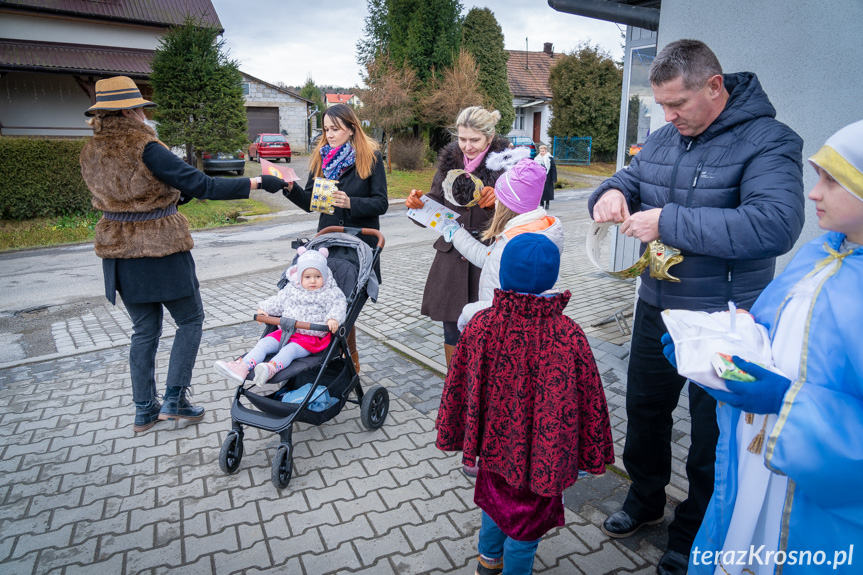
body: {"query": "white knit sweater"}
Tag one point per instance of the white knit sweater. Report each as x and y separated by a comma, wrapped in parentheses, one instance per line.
(296, 302)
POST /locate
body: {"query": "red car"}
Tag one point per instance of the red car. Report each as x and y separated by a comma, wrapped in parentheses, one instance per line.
(270, 147)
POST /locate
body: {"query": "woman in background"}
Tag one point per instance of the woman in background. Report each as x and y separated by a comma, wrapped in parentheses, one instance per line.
(546, 160)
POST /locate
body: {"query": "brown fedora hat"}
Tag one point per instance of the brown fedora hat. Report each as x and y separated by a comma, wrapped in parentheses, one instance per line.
(117, 93)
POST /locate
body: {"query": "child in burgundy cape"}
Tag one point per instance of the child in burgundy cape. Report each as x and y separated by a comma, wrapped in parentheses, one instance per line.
(523, 395)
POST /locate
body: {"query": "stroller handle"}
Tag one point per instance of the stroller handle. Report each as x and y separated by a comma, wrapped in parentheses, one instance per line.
(355, 232)
(274, 320)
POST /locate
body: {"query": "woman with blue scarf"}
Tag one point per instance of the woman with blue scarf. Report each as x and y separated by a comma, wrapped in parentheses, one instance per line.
(346, 154)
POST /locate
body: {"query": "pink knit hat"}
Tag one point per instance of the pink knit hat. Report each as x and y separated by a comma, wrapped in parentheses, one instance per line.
(520, 188)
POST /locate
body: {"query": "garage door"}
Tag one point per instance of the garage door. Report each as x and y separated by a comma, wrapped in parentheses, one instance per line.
(262, 121)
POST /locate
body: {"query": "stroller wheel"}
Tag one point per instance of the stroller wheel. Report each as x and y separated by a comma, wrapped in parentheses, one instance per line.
(282, 462)
(375, 406)
(231, 453)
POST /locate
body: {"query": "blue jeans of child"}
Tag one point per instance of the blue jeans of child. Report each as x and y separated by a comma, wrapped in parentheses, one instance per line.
(517, 555)
(188, 314)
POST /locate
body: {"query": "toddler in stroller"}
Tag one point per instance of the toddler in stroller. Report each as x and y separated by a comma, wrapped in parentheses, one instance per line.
(310, 295)
(312, 389)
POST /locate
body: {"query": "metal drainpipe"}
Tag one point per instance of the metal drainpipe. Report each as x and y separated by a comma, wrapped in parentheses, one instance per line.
(638, 16)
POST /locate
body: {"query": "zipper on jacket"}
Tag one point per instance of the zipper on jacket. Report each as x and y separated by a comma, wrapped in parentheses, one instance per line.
(671, 189)
(729, 272)
(694, 183)
(673, 185)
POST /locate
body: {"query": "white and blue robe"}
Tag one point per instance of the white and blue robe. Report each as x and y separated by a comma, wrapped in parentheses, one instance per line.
(803, 493)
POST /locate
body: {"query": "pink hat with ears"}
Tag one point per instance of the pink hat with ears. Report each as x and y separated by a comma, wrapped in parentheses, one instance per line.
(309, 259)
(520, 188)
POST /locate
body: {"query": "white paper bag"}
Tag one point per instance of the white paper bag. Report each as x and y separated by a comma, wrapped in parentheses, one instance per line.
(698, 335)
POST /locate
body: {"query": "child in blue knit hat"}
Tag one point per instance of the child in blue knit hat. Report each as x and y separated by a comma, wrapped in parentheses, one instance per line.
(523, 395)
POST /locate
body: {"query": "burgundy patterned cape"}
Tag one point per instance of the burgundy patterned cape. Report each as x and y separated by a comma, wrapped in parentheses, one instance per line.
(524, 395)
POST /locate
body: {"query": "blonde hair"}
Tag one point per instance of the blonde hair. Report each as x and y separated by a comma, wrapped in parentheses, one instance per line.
(502, 216)
(364, 146)
(479, 119)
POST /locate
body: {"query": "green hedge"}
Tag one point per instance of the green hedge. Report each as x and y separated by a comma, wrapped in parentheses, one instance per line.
(41, 178)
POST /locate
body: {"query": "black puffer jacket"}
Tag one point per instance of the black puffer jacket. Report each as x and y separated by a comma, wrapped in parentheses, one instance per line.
(731, 199)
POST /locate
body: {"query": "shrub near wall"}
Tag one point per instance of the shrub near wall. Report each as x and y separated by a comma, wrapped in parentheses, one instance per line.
(41, 178)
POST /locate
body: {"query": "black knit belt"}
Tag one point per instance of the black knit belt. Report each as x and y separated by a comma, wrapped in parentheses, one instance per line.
(140, 216)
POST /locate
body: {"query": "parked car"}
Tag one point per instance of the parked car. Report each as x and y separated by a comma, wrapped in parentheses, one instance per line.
(523, 142)
(270, 147)
(225, 162)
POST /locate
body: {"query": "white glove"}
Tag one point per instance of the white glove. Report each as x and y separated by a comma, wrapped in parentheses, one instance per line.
(448, 230)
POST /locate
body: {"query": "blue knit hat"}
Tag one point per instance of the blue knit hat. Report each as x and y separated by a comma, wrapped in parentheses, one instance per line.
(529, 264)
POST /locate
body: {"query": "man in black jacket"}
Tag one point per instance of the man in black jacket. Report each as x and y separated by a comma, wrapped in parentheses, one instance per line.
(721, 182)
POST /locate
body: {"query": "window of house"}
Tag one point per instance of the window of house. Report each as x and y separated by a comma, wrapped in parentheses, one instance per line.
(640, 100)
(246, 88)
(518, 123)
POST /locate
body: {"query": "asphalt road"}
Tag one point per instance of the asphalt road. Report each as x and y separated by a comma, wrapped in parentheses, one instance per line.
(40, 286)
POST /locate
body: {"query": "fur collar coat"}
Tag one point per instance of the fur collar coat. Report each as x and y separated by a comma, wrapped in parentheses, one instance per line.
(113, 169)
(453, 281)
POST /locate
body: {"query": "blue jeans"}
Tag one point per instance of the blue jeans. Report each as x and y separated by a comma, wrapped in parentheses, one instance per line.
(517, 555)
(188, 314)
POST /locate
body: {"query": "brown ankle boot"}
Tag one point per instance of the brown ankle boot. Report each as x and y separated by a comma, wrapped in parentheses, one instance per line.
(352, 348)
(448, 351)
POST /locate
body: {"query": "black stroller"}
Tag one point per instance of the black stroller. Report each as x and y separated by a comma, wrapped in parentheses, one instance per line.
(351, 262)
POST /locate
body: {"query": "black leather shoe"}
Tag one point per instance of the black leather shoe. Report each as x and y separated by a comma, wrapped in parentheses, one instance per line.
(672, 563)
(146, 415)
(621, 524)
(177, 406)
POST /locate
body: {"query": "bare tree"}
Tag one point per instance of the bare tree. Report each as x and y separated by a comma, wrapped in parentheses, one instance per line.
(449, 92)
(390, 100)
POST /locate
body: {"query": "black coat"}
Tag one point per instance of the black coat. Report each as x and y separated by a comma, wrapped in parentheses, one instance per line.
(368, 197)
(550, 179)
(453, 282)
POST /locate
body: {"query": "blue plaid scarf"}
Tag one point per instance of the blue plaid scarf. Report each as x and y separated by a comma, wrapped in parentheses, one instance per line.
(335, 161)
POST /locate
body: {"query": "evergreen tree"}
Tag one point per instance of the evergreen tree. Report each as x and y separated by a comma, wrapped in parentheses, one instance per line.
(585, 87)
(199, 92)
(423, 33)
(311, 92)
(482, 37)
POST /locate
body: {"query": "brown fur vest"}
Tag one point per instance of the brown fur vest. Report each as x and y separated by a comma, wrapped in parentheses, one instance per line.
(113, 169)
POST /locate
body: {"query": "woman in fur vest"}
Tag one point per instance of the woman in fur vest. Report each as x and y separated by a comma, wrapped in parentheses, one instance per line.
(144, 242)
(453, 281)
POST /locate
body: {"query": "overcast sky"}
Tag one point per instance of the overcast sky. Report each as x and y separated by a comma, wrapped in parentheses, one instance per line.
(286, 41)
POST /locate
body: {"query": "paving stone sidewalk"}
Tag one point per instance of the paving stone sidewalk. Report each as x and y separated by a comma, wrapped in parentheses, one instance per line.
(79, 492)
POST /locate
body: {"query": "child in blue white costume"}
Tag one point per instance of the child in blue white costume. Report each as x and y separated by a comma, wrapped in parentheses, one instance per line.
(794, 504)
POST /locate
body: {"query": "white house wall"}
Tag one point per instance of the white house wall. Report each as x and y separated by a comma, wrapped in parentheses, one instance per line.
(806, 55)
(53, 102)
(292, 111)
(527, 132)
(49, 29)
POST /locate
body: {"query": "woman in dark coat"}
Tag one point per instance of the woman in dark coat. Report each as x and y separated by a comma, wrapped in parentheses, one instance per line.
(453, 282)
(144, 242)
(346, 154)
(547, 161)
